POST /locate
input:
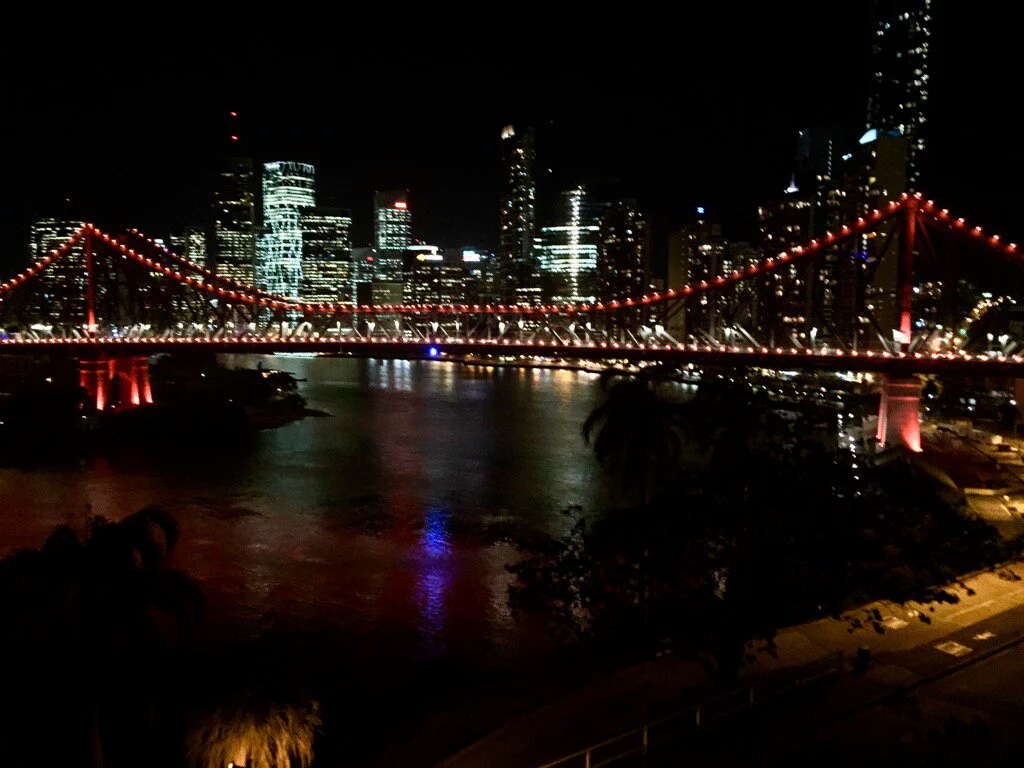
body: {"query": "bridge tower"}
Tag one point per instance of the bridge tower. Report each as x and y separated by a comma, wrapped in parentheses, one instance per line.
(116, 382)
(899, 410)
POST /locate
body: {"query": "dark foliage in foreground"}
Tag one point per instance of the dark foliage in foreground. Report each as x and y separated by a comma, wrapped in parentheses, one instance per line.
(761, 522)
(90, 630)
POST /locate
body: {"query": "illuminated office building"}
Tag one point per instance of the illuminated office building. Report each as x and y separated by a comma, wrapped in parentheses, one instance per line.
(63, 283)
(288, 189)
(900, 79)
(519, 268)
(364, 268)
(230, 249)
(433, 276)
(327, 274)
(786, 221)
(696, 251)
(873, 174)
(483, 281)
(623, 252)
(392, 232)
(192, 244)
(567, 252)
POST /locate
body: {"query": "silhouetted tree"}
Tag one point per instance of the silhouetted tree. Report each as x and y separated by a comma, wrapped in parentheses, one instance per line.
(778, 526)
(635, 436)
(92, 623)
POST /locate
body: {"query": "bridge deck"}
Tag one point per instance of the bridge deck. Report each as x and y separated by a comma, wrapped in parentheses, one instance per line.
(896, 364)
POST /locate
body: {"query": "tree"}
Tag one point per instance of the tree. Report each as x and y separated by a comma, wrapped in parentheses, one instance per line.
(635, 436)
(255, 735)
(93, 623)
(780, 527)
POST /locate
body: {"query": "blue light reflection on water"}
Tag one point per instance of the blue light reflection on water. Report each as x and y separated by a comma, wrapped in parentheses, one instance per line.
(436, 567)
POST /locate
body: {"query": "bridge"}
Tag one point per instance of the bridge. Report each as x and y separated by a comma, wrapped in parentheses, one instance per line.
(111, 301)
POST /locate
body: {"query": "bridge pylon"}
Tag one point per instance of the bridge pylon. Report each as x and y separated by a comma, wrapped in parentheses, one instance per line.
(115, 381)
(899, 421)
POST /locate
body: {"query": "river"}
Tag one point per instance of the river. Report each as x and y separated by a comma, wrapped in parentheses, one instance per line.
(364, 522)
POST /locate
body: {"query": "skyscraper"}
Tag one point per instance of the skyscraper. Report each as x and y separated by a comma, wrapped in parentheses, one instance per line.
(231, 246)
(192, 243)
(814, 177)
(899, 91)
(697, 251)
(326, 255)
(364, 268)
(567, 252)
(392, 232)
(786, 222)
(873, 174)
(288, 189)
(623, 252)
(482, 276)
(433, 276)
(63, 283)
(517, 260)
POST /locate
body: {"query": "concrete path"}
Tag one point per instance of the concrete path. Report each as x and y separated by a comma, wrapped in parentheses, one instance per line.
(989, 614)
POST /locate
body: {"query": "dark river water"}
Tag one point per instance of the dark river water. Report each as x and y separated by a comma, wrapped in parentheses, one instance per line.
(366, 521)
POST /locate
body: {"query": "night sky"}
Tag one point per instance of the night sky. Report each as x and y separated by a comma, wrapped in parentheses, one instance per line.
(124, 119)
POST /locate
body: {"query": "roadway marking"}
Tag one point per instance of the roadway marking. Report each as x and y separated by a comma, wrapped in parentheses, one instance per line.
(953, 648)
(986, 635)
(961, 612)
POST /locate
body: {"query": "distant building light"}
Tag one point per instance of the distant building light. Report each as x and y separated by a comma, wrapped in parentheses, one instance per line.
(847, 156)
(508, 132)
(470, 256)
(869, 135)
(429, 257)
(401, 205)
(700, 210)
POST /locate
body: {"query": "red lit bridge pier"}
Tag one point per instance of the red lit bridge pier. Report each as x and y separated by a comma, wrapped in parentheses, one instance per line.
(899, 413)
(118, 381)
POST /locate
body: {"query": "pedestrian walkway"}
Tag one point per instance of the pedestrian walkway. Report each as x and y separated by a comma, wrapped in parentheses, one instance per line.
(906, 642)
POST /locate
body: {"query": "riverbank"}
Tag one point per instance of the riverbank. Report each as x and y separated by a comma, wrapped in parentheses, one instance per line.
(558, 365)
(916, 641)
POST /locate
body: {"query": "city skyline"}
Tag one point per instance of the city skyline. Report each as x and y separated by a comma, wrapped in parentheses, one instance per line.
(736, 155)
(514, 394)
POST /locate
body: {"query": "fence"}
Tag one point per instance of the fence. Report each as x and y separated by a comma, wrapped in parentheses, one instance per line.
(632, 747)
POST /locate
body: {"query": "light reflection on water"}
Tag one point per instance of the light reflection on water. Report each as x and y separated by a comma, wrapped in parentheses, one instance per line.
(435, 571)
(367, 522)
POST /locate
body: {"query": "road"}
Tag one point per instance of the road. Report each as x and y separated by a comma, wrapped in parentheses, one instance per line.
(959, 701)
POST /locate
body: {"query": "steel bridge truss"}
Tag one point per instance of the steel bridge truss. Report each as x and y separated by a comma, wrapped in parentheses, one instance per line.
(127, 286)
